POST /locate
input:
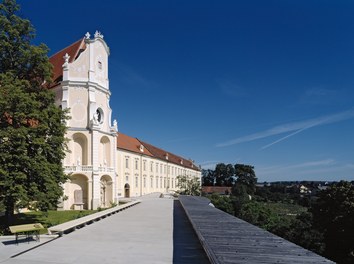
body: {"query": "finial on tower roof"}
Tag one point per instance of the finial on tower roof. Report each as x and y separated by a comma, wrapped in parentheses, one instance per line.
(66, 58)
(87, 35)
(98, 34)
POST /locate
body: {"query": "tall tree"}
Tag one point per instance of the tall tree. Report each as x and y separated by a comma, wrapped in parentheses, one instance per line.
(224, 174)
(333, 214)
(246, 176)
(32, 128)
(230, 175)
(208, 177)
(220, 170)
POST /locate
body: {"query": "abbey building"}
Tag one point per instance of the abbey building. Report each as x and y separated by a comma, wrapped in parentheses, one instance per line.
(104, 164)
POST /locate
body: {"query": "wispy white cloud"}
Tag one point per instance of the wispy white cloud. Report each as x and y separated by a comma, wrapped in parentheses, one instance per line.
(230, 88)
(283, 138)
(324, 170)
(210, 164)
(293, 127)
(180, 139)
(325, 162)
(320, 95)
(325, 165)
(335, 169)
(130, 76)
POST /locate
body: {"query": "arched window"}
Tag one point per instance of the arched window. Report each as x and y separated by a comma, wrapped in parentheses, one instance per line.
(80, 154)
(105, 152)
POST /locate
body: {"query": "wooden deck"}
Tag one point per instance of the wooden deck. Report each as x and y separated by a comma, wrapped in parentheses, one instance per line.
(227, 239)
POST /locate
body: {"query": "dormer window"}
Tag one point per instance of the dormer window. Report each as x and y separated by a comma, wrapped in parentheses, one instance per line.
(141, 148)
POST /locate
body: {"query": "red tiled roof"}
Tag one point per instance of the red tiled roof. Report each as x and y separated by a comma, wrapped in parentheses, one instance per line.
(57, 59)
(161, 154)
(131, 144)
(217, 189)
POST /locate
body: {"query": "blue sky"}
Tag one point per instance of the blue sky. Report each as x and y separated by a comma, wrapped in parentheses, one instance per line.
(265, 83)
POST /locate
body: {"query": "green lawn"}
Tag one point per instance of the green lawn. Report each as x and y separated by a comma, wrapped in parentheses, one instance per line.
(47, 219)
(285, 208)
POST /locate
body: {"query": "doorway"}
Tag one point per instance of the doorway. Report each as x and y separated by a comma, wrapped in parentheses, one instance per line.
(126, 190)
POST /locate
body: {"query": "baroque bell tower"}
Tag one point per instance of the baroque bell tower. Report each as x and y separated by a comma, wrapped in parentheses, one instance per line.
(83, 88)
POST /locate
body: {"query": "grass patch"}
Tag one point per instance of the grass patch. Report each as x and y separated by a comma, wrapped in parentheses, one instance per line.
(285, 208)
(47, 219)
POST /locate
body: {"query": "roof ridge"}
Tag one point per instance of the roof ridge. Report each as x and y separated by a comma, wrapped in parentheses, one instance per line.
(72, 44)
(160, 153)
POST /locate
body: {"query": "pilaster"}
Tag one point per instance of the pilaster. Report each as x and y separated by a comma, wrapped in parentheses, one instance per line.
(95, 190)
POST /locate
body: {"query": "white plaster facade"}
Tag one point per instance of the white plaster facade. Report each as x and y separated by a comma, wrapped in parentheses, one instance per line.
(100, 172)
(144, 174)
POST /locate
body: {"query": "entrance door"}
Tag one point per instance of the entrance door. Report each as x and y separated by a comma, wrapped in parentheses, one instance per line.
(106, 191)
(126, 190)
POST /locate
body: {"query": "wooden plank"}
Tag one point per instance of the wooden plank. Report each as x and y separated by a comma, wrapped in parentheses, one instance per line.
(227, 239)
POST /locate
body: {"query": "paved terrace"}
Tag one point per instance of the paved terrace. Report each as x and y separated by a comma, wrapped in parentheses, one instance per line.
(154, 231)
(162, 230)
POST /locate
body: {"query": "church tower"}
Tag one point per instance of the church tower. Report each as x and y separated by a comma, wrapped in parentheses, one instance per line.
(82, 87)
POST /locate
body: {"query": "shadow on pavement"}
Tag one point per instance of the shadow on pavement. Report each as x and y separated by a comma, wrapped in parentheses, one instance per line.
(20, 240)
(186, 246)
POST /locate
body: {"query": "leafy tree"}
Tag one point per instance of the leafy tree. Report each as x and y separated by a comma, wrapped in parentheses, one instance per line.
(32, 128)
(302, 232)
(258, 214)
(189, 185)
(230, 175)
(245, 175)
(334, 215)
(220, 174)
(240, 197)
(208, 177)
(222, 202)
(224, 174)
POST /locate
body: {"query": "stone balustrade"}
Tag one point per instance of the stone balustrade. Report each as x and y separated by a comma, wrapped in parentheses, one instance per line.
(86, 168)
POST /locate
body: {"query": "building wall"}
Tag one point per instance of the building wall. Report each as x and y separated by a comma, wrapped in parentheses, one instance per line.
(145, 174)
(100, 173)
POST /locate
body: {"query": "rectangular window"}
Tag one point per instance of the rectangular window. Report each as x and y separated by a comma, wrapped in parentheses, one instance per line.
(136, 182)
(126, 178)
(151, 165)
(161, 182)
(136, 164)
(144, 182)
(151, 182)
(144, 164)
(157, 167)
(126, 163)
(157, 182)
